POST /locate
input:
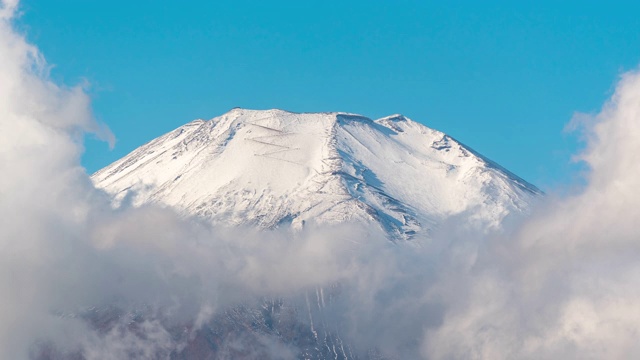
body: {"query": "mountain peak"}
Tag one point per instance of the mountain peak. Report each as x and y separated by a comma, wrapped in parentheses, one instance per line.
(274, 167)
(239, 111)
(394, 118)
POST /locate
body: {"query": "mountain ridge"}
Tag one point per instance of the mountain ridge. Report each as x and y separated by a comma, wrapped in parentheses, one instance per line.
(274, 167)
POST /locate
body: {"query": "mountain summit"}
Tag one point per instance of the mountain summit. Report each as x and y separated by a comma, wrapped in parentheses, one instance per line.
(274, 167)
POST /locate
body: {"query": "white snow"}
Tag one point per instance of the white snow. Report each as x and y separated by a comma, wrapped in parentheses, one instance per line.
(273, 167)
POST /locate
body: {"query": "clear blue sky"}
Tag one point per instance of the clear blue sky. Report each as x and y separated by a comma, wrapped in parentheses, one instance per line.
(502, 77)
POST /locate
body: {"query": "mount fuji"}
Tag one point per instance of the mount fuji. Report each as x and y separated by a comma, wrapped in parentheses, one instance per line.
(275, 168)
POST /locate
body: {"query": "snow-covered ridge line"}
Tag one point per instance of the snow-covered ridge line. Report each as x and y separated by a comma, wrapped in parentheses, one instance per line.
(274, 167)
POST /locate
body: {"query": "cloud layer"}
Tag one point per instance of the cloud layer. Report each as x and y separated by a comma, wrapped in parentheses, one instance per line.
(564, 283)
(64, 250)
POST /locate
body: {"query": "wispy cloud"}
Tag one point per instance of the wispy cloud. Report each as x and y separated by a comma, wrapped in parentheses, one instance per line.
(565, 283)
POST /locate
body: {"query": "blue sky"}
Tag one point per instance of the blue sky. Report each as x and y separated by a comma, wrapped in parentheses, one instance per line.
(502, 77)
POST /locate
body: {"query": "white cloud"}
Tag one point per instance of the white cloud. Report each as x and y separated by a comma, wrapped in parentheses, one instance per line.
(63, 248)
(565, 284)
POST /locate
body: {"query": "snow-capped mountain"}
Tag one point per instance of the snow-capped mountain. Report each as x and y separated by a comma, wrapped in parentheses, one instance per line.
(275, 167)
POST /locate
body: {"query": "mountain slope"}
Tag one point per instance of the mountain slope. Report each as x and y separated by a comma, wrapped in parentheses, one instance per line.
(274, 167)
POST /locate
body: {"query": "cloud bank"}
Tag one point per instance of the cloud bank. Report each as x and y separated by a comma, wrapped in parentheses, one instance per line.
(66, 255)
(564, 283)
